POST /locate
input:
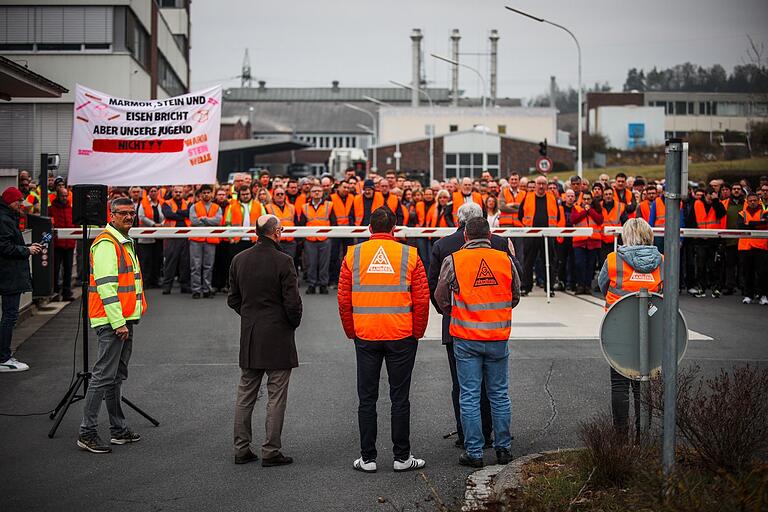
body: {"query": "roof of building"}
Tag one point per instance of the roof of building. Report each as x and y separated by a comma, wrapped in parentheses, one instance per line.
(17, 81)
(299, 117)
(489, 134)
(385, 94)
(234, 120)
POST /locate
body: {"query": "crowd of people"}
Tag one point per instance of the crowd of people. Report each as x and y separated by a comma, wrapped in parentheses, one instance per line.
(200, 265)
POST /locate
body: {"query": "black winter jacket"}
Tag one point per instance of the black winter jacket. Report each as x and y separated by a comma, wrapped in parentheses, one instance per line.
(14, 255)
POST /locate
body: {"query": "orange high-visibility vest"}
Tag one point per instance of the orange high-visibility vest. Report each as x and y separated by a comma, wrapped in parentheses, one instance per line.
(704, 219)
(482, 308)
(624, 280)
(747, 244)
(201, 212)
(511, 220)
(612, 217)
(587, 222)
(318, 217)
(391, 202)
(172, 223)
(146, 204)
(233, 216)
(627, 195)
(458, 199)
(381, 289)
(378, 201)
(432, 216)
(300, 201)
(645, 212)
(285, 214)
(126, 282)
(342, 207)
(421, 213)
(529, 209)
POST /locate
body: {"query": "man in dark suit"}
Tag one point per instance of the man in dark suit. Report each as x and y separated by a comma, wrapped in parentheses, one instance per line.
(263, 290)
(441, 250)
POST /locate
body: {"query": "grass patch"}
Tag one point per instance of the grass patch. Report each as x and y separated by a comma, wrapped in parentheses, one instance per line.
(749, 168)
(561, 482)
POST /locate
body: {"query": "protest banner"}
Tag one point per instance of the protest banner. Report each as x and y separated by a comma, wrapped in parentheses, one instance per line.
(121, 142)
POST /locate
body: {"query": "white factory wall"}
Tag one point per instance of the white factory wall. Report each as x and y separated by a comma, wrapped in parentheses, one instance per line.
(615, 124)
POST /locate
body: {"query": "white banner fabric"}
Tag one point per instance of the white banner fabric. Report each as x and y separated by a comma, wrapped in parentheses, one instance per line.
(120, 142)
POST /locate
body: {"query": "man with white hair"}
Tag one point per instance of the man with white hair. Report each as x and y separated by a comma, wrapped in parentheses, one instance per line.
(442, 249)
(263, 290)
(466, 195)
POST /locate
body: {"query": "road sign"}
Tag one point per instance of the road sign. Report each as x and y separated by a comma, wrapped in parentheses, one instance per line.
(544, 164)
(620, 335)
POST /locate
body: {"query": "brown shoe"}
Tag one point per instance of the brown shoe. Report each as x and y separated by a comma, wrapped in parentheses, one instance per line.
(245, 459)
(277, 460)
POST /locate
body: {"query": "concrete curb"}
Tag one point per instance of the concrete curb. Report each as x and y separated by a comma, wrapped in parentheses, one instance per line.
(488, 485)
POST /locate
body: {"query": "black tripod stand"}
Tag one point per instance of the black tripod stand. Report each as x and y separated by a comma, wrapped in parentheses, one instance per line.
(84, 376)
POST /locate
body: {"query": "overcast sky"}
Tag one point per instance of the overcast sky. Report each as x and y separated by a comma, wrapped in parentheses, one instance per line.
(305, 43)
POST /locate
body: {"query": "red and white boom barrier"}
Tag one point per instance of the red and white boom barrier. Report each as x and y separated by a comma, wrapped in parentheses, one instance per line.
(701, 233)
(305, 231)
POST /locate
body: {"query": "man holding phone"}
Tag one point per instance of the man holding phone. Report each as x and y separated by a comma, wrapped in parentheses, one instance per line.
(15, 277)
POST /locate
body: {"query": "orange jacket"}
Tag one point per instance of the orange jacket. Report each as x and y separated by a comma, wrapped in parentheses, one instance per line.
(482, 308)
(644, 210)
(358, 207)
(612, 217)
(400, 296)
(458, 199)
(747, 244)
(201, 212)
(317, 217)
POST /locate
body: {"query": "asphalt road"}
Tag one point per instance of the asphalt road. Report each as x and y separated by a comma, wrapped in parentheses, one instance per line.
(184, 372)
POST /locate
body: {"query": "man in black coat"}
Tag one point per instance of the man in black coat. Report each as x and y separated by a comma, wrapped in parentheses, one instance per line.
(263, 290)
(15, 277)
(441, 250)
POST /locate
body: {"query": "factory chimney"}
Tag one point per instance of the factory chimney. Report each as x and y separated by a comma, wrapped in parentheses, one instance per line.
(454, 68)
(416, 66)
(494, 37)
(552, 92)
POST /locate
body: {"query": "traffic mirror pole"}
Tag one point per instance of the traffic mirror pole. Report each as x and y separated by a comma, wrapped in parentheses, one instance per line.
(672, 196)
(645, 370)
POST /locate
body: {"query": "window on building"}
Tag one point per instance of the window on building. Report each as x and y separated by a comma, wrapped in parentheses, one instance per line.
(167, 77)
(501, 129)
(731, 108)
(172, 4)
(680, 108)
(690, 108)
(469, 165)
(702, 108)
(670, 108)
(55, 28)
(137, 40)
(453, 128)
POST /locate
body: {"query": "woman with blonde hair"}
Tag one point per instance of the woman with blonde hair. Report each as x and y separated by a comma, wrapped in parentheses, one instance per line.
(635, 265)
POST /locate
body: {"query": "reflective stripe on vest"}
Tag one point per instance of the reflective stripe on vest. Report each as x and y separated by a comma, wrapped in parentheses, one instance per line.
(126, 278)
(612, 218)
(621, 285)
(511, 219)
(381, 292)
(202, 212)
(172, 223)
(705, 219)
(588, 222)
(747, 244)
(483, 276)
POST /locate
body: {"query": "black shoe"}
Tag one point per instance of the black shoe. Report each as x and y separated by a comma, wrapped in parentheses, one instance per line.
(551, 294)
(195, 295)
(277, 460)
(68, 298)
(206, 295)
(186, 290)
(323, 290)
(524, 293)
(126, 437)
(466, 460)
(503, 456)
(559, 286)
(166, 292)
(459, 443)
(310, 290)
(245, 459)
(488, 443)
(93, 444)
(210, 295)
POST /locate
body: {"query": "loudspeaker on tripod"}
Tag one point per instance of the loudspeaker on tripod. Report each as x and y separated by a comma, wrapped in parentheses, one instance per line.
(89, 205)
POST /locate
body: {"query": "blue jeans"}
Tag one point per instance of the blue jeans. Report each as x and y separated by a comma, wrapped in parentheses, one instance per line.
(10, 316)
(478, 361)
(585, 261)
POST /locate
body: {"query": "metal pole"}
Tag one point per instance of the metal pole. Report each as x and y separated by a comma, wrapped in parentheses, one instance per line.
(43, 184)
(674, 151)
(431, 126)
(546, 264)
(642, 312)
(374, 124)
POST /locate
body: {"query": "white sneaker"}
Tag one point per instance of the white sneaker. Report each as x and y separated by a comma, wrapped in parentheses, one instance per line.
(12, 365)
(365, 467)
(764, 300)
(746, 300)
(409, 464)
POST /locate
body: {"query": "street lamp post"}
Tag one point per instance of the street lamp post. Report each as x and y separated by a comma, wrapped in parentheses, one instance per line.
(431, 126)
(373, 123)
(482, 80)
(579, 162)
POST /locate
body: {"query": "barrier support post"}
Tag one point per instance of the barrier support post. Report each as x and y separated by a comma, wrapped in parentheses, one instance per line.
(642, 317)
(546, 264)
(672, 196)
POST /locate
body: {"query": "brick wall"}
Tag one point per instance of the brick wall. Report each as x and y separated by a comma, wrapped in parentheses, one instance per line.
(415, 157)
(520, 156)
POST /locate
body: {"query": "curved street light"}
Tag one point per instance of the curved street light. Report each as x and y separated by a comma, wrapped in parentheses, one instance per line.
(373, 123)
(579, 162)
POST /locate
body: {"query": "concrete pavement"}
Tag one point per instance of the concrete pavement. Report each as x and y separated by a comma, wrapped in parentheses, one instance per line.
(184, 372)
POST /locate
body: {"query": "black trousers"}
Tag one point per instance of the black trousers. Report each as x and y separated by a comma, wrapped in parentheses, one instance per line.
(532, 249)
(730, 268)
(485, 404)
(399, 356)
(151, 261)
(62, 267)
(565, 262)
(620, 400)
(754, 270)
(707, 274)
(338, 251)
(176, 252)
(221, 262)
